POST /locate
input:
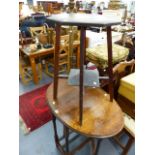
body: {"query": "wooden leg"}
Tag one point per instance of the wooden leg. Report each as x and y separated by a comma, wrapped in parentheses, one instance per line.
(55, 131)
(40, 71)
(66, 133)
(69, 60)
(21, 72)
(110, 66)
(56, 61)
(97, 147)
(93, 146)
(78, 57)
(34, 71)
(82, 50)
(128, 146)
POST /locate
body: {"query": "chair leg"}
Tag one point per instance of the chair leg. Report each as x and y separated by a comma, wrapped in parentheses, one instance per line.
(40, 71)
(128, 146)
(47, 70)
(22, 76)
(66, 133)
(97, 147)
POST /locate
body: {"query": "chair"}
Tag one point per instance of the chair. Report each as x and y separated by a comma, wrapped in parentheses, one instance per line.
(120, 70)
(39, 32)
(129, 129)
(63, 57)
(25, 70)
(41, 36)
(24, 40)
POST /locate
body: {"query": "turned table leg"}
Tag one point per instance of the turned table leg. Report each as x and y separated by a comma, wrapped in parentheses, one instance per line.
(34, 71)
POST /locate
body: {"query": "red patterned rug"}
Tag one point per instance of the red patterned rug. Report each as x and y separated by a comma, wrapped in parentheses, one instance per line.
(33, 108)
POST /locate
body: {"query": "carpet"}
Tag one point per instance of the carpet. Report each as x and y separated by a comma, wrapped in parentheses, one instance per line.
(33, 108)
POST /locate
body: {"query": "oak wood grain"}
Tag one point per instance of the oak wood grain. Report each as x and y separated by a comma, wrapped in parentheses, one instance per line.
(101, 118)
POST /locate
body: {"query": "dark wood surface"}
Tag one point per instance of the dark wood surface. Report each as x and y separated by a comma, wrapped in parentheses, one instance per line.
(82, 53)
(101, 118)
(85, 20)
(109, 44)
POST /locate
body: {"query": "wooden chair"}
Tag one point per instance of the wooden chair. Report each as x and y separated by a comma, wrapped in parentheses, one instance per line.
(129, 129)
(39, 32)
(25, 71)
(24, 40)
(120, 70)
(63, 57)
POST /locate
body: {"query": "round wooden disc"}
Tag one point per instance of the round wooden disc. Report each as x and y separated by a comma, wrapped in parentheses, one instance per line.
(101, 118)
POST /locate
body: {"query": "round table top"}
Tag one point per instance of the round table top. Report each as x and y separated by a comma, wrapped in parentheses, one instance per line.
(101, 118)
(78, 19)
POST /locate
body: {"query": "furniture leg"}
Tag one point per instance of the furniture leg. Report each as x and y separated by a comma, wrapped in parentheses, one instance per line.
(78, 57)
(40, 71)
(82, 50)
(93, 146)
(128, 146)
(56, 61)
(109, 42)
(22, 76)
(97, 147)
(34, 71)
(55, 131)
(66, 133)
(70, 53)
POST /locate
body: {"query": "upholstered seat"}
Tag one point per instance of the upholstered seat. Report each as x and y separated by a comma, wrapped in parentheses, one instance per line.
(99, 55)
(127, 87)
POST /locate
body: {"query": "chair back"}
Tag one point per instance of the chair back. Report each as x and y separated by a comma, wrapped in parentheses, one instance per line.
(64, 41)
(35, 31)
(120, 70)
(64, 46)
(39, 32)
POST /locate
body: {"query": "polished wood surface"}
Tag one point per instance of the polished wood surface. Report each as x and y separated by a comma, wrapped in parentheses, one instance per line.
(101, 118)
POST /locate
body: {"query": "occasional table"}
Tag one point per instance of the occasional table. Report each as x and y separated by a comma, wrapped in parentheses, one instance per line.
(88, 111)
(101, 118)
